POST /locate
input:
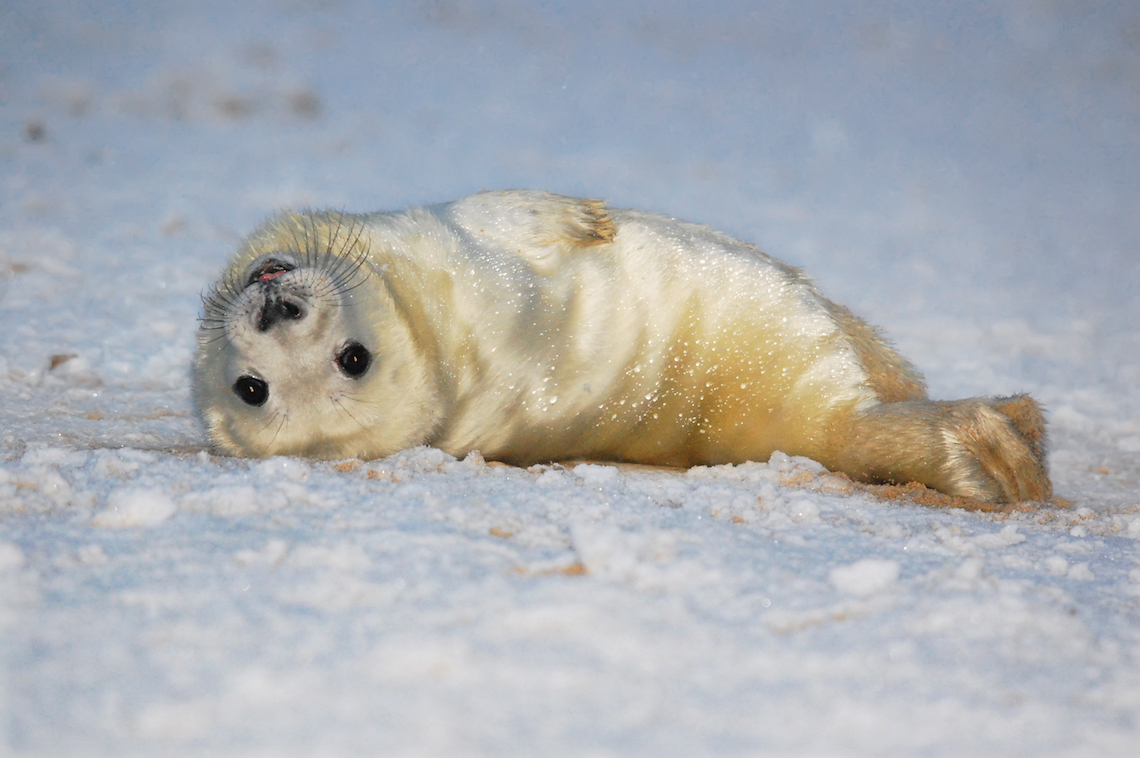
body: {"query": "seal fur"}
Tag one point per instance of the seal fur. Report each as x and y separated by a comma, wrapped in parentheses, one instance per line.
(535, 327)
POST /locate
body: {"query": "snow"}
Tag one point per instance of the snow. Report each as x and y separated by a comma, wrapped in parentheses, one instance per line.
(134, 507)
(964, 175)
(865, 577)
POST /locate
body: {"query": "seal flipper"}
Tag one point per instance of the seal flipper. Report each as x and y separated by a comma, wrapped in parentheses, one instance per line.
(539, 226)
(582, 222)
(988, 448)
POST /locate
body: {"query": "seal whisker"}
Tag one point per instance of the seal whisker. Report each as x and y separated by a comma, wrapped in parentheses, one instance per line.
(269, 445)
(338, 404)
(271, 420)
(208, 325)
(313, 244)
(330, 240)
(355, 399)
(218, 303)
(344, 283)
(344, 265)
(224, 336)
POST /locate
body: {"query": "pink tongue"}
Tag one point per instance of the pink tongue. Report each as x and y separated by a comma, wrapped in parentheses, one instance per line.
(269, 275)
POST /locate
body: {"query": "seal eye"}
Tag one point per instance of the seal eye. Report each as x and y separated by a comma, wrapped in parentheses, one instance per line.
(251, 390)
(354, 359)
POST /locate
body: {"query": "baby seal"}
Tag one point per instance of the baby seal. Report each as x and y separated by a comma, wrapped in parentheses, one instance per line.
(535, 327)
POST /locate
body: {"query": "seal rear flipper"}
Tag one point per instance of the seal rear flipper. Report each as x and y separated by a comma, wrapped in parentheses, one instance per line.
(1002, 440)
(987, 448)
(539, 226)
(1025, 414)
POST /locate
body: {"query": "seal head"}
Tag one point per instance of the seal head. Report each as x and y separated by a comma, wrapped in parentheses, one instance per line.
(289, 352)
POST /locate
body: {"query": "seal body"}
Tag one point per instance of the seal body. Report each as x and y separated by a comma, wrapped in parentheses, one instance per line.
(534, 327)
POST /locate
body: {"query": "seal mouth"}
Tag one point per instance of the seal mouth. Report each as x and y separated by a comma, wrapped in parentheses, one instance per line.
(268, 270)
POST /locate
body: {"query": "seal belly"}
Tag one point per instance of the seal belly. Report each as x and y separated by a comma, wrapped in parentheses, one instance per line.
(671, 345)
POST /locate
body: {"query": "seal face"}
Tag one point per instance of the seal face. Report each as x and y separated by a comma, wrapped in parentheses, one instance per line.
(535, 327)
(287, 359)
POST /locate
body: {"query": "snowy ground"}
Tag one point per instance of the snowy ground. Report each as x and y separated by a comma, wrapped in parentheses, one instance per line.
(966, 176)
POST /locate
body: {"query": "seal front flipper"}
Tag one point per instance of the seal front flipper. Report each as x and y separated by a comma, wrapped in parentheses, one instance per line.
(541, 227)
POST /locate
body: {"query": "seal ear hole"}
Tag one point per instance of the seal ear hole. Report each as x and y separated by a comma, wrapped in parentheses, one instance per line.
(354, 359)
(251, 390)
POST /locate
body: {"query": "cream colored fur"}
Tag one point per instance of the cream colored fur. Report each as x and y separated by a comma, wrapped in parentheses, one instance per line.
(534, 327)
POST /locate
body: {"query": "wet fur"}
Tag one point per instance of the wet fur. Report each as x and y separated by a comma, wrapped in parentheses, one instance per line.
(535, 327)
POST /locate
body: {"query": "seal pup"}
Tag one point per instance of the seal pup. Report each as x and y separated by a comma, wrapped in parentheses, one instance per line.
(534, 327)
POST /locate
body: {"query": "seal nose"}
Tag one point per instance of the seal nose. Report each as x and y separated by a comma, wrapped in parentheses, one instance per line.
(277, 308)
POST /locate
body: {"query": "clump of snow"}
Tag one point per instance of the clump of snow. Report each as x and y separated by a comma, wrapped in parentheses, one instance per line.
(640, 558)
(273, 553)
(92, 555)
(865, 577)
(1057, 565)
(11, 557)
(594, 474)
(238, 500)
(135, 507)
(1081, 572)
(803, 510)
